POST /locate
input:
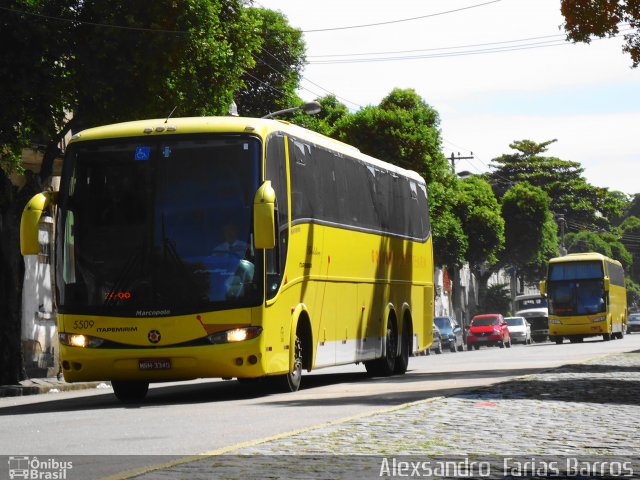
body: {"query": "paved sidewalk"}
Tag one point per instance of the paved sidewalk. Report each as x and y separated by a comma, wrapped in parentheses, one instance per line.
(35, 386)
(589, 411)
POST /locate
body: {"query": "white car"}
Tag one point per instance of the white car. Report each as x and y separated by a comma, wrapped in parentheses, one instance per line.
(519, 329)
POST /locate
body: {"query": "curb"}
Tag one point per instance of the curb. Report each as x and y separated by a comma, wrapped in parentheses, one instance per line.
(36, 386)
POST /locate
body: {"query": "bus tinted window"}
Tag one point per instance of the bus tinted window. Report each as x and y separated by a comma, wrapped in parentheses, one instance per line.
(616, 274)
(575, 270)
(328, 187)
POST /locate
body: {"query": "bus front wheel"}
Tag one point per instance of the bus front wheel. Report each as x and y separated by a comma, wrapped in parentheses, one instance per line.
(292, 380)
(130, 391)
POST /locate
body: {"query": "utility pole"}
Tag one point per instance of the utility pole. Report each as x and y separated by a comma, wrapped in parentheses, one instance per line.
(454, 158)
(562, 222)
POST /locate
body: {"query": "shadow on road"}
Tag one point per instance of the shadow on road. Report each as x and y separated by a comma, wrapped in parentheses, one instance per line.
(594, 383)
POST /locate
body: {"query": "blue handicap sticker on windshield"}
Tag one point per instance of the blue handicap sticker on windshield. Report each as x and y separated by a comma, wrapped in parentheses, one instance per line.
(143, 153)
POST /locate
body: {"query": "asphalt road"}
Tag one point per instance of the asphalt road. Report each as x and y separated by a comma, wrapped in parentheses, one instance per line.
(208, 415)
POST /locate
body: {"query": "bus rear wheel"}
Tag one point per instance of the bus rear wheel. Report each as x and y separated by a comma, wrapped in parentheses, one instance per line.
(130, 391)
(402, 360)
(384, 366)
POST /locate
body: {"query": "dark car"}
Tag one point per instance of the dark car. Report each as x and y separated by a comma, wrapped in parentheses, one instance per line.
(451, 333)
(633, 322)
(489, 329)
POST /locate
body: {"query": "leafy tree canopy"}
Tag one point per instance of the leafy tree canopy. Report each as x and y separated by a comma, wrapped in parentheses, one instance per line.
(582, 204)
(530, 231)
(402, 130)
(479, 212)
(325, 121)
(585, 19)
(271, 84)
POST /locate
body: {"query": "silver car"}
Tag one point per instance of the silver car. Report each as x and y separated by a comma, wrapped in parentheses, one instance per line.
(519, 329)
(633, 322)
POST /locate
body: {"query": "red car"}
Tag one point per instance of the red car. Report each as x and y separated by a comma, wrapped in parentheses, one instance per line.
(489, 329)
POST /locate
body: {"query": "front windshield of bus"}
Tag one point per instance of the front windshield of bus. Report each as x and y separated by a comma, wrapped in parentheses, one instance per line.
(576, 288)
(158, 225)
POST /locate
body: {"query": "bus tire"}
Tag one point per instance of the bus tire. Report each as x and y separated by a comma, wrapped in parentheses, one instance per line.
(606, 337)
(292, 380)
(130, 391)
(402, 360)
(384, 366)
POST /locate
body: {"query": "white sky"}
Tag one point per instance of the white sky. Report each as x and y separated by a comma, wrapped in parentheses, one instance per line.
(585, 96)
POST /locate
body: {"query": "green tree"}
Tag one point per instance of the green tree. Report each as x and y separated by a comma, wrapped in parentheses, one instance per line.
(525, 210)
(585, 19)
(324, 122)
(497, 299)
(582, 204)
(402, 130)
(605, 243)
(479, 211)
(630, 237)
(271, 84)
(70, 64)
(450, 242)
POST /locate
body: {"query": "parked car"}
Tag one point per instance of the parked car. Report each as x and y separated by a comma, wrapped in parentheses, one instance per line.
(633, 322)
(451, 333)
(519, 330)
(489, 329)
(436, 346)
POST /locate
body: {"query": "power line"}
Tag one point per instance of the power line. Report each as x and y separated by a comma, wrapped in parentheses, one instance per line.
(93, 24)
(473, 45)
(390, 22)
(480, 51)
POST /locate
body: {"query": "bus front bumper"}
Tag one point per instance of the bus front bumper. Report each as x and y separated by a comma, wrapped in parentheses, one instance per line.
(243, 359)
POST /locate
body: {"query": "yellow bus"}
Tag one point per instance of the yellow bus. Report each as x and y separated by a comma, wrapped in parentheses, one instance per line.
(587, 297)
(235, 248)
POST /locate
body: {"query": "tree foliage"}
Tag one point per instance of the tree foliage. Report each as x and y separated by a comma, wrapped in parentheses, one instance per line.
(402, 130)
(570, 194)
(585, 19)
(323, 122)
(271, 84)
(496, 299)
(71, 64)
(479, 212)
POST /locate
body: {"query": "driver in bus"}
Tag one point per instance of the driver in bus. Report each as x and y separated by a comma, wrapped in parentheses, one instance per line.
(232, 243)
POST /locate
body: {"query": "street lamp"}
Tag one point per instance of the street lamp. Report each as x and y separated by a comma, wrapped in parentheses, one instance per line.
(310, 108)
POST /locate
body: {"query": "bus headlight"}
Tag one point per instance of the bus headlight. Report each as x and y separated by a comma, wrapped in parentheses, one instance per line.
(235, 335)
(78, 340)
(555, 321)
(599, 319)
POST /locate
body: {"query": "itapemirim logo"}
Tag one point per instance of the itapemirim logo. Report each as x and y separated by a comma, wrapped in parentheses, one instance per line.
(40, 469)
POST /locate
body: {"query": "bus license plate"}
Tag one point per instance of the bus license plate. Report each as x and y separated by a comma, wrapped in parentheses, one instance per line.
(154, 364)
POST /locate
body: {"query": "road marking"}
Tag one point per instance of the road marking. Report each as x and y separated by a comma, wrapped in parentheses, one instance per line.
(252, 443)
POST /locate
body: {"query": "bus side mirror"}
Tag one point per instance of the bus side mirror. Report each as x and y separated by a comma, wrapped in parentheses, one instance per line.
(543, 287)
(31, 215)
(607, 284)
(264, 216)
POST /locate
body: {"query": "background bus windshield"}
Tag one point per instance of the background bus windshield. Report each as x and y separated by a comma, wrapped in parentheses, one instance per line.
(160, 223)
(576, 288)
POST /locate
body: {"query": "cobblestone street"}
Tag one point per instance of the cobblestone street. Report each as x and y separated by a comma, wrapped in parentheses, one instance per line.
(588, 410)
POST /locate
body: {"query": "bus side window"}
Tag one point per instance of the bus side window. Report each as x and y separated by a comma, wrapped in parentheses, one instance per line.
(277, 173)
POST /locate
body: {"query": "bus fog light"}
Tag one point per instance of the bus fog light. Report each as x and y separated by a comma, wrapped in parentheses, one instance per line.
(252, 359)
